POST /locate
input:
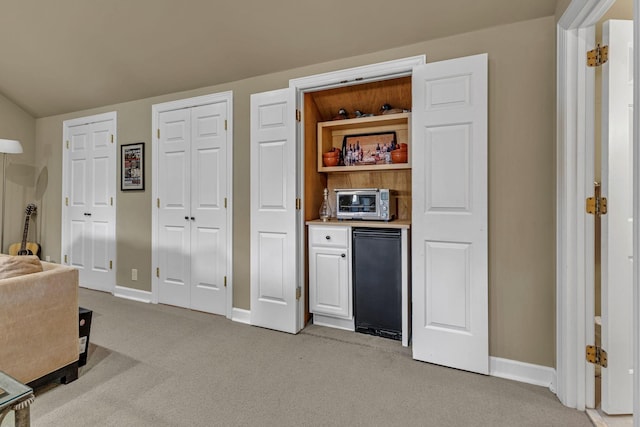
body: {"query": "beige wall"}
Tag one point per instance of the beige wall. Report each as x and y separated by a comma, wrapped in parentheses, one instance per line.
(561, 7)
(15, 123)
(521, 178)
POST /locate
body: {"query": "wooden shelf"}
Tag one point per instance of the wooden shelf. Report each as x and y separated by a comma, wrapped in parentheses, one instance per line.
(331, 134)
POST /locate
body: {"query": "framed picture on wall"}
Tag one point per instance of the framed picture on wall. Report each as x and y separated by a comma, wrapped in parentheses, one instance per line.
(132, 172)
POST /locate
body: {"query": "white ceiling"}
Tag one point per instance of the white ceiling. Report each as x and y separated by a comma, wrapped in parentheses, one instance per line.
(68, 55)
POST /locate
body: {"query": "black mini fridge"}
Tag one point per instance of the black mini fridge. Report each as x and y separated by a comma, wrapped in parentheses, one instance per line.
(377, 281)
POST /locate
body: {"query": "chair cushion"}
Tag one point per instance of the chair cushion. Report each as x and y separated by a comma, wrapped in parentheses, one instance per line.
(13, 266)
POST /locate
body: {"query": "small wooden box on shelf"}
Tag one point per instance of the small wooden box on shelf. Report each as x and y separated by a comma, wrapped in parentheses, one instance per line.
(331, 134)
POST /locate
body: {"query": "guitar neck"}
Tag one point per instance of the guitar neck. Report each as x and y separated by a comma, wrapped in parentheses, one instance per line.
(23, 245)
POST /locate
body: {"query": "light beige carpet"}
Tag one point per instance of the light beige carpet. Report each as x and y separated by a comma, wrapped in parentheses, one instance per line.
(155, 365)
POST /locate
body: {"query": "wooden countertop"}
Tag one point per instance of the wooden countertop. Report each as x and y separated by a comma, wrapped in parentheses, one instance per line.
(396, 223)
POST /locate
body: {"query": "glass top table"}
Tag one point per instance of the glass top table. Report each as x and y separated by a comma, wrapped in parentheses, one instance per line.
(17, 397)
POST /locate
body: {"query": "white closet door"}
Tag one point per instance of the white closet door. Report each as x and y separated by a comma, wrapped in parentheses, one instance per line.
(174, 192)
(208, 213)
(273, 211)
(91, 212)
(449, 218)
(617, 225)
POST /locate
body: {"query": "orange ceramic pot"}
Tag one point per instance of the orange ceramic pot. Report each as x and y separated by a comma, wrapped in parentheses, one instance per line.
(331, 161)
(399, 156)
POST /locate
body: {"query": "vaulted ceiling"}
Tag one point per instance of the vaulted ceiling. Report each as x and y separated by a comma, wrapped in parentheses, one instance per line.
(69, 55)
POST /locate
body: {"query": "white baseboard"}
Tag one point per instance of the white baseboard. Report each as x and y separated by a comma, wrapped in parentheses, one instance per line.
(523, 372)
(241, 316)
(132, 294)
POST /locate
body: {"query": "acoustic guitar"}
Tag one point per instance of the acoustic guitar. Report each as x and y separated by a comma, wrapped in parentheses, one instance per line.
(26, 248)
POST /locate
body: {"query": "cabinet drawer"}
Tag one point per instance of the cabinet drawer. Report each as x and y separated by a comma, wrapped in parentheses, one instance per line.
(332, 236)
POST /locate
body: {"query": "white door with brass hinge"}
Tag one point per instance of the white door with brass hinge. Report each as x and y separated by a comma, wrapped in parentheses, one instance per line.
(192, 211)
(274, 240)
(89, 193)
(617, 223)
(449, 218)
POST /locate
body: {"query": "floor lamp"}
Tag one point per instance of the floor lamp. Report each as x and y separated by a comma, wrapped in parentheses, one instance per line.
(7, 146)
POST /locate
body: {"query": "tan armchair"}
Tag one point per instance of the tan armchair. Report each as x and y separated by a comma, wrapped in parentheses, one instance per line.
(39, 325)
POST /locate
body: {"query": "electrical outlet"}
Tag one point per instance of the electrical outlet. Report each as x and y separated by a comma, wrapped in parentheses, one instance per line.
(134, 274)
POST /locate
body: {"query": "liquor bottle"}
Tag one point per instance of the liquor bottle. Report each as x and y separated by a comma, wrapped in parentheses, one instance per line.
(325, 208)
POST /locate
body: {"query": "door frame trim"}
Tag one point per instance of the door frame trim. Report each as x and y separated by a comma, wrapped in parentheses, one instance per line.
(64, 243)
(156, 109)
(574, 272)
(346, 77)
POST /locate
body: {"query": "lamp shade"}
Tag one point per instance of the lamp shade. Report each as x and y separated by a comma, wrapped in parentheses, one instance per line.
(10, 146)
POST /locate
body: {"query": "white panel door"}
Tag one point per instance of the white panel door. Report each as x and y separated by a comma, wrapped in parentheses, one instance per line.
(174, 193)
(208, 214)
(449, 218)
(192, 219)
(617, 226)
(91, 212)
(273, 211)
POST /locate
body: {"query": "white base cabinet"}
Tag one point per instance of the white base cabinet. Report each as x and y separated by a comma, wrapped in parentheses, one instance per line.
(330, 290)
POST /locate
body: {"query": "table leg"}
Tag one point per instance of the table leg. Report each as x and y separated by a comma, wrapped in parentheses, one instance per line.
(23, 412)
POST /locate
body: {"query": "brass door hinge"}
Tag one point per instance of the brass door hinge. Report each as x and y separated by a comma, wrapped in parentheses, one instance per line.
(298, 292)
(225, 281)
(597, 56)
(110, 265)
(158, 203)
(111, 199)
(596, 355)
(112, 139)
(158, 272)
(298, 115)
(225, 203)
(298, 203)
(597, 205)
(225, 124)
(158, 133)
(66, 201)
(67, 144)
(65, 259)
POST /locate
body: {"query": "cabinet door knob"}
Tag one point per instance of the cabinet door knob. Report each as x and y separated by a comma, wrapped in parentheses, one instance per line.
(328, 237)
(343, 256)
(187, 218)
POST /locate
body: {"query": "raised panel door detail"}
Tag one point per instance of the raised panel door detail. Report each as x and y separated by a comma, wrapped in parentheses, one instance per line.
(208, 182)
(101, 193)
(448, 161)
(205, 267)
(271, 271)
(273, 115)
(272, 169)
(78, 182)
(175, 187)
(78, 245)
(174, 266)
(329, 282)
(445, 93)
(100, 246)
(447, 285)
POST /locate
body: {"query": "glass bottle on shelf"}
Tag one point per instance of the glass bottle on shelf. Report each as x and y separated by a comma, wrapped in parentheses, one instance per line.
(325, 208)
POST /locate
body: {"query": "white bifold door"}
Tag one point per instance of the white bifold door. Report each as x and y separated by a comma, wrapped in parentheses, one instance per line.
(449, 218)
(617, 225)
(192, 224)
(89, 212)
(274, 239)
